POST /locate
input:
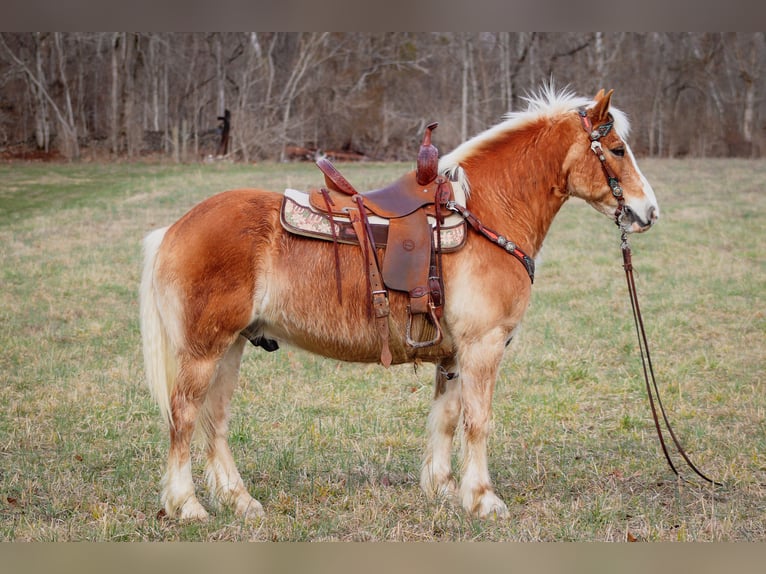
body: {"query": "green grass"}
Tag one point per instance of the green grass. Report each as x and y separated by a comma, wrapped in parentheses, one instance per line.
(333, 450)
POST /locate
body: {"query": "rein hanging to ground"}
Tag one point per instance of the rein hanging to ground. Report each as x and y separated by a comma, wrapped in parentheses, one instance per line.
(646, 361)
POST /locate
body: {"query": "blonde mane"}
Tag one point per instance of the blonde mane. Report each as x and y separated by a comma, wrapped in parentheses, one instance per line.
(547, 102)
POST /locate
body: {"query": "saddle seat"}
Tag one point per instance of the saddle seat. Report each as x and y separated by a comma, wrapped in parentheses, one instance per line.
(398, 199)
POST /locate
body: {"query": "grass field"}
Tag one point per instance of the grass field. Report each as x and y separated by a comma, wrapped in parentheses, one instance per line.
(333, 450)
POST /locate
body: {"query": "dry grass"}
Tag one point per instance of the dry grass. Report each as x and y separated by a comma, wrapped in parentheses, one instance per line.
(333, 450)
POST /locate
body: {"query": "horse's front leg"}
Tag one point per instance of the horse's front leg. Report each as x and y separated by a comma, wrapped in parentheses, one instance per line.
(436, 475)
(479, 363)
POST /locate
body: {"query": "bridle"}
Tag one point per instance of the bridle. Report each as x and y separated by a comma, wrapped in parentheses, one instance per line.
(595, 134)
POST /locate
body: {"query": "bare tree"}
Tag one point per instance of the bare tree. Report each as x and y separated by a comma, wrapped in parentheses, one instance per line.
(748, 55)
(370, 93)
(309, 54)
(39, 86)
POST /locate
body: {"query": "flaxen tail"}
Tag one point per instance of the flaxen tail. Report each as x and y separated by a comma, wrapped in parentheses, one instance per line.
(159, 356)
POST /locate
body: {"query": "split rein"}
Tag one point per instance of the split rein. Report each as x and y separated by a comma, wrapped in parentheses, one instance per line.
(646, 361)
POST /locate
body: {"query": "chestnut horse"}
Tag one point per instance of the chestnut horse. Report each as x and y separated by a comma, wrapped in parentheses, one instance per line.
(228, 265)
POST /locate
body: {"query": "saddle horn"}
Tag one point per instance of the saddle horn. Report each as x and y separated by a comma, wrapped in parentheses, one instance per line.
(428, 158)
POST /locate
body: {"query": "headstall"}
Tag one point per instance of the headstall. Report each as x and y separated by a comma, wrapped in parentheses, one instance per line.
(595, 134)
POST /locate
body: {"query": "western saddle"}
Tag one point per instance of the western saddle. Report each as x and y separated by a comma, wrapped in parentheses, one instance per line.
(402, 223)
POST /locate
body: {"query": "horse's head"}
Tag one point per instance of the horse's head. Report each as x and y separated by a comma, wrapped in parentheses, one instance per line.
(602, 170)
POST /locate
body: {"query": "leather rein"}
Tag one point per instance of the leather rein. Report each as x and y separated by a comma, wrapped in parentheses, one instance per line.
(652, 390)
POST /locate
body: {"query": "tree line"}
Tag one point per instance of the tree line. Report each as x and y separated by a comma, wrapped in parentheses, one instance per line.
(364, 95)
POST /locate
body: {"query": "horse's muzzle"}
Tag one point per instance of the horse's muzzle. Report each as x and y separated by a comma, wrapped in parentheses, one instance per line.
(632, 222)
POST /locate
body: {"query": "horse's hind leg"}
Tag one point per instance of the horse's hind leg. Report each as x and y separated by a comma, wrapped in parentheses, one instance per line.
(436, 474)
(223, 478)
(194, 376)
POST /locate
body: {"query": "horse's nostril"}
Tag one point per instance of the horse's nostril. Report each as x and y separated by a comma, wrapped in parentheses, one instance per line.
(653, 215)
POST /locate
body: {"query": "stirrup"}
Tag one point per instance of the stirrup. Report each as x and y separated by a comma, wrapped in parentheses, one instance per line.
(434, 321)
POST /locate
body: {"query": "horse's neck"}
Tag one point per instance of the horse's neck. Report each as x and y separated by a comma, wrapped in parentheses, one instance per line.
(518, 193)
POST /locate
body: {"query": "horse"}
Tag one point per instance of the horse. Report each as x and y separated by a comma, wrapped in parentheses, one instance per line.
(228, 264)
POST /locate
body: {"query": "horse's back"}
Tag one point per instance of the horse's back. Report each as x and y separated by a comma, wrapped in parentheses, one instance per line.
(244, 211)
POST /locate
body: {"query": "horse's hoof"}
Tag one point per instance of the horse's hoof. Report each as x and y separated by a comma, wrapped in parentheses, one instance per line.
(249, 509)
(496, 511)
(192, 510)
(447, 489)
(443, 488)
(489, 505)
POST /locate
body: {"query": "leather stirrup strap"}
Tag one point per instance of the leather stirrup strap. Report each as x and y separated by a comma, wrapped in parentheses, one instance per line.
(378, 290)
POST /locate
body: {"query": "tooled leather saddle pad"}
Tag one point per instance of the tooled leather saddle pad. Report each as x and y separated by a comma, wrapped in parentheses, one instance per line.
(298, 216)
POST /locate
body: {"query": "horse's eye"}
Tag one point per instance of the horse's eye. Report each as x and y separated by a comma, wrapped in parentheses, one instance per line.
(618, 151)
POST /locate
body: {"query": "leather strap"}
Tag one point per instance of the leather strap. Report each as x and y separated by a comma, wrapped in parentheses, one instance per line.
(435, 279)
(646, 362)
(496, 238)
(595, 134)
(329, 203)
(378, 293)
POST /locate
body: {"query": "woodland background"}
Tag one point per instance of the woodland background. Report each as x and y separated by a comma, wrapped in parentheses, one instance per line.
(108, 95)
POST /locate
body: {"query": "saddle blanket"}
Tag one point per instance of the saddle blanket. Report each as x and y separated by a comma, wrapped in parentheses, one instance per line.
(298, 217)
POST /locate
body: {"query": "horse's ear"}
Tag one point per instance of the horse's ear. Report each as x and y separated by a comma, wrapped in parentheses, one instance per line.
(600, 110)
